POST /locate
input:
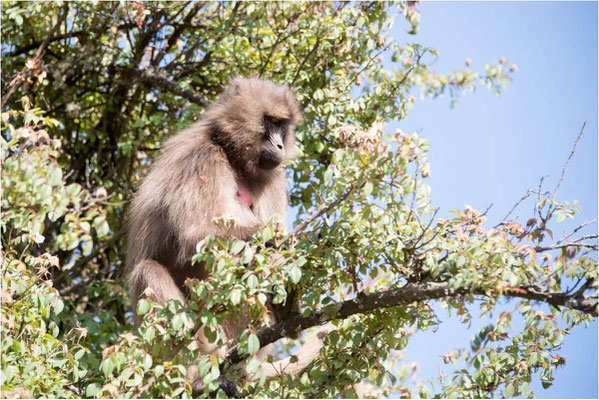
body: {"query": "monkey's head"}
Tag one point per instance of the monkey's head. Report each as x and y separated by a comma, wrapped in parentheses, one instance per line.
(254, 122)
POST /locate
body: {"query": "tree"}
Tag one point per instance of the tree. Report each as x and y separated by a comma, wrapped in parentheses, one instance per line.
(367, 252)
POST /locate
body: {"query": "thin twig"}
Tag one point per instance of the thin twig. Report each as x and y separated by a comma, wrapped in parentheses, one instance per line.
(574, 243)
(568, 161)
(576, 230)
(16, 82)
(321, 212)
(173, 87)
(526, 195)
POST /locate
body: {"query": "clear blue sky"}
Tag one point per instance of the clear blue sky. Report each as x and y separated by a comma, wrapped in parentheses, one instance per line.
(492, 149)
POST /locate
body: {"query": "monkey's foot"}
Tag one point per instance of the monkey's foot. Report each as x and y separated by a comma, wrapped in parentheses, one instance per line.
(226, 386)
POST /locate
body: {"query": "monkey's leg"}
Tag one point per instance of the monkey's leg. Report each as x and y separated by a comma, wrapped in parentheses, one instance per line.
(304, 356)
(151, 274)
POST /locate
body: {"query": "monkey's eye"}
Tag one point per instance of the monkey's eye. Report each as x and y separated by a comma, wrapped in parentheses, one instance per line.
(273, 120)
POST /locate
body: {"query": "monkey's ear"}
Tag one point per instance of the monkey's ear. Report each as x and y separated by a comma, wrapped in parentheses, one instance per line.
(233, 88)
(236, 88)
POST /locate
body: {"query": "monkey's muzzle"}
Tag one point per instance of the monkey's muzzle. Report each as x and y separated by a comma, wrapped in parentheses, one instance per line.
(273, 151)
(270, 160)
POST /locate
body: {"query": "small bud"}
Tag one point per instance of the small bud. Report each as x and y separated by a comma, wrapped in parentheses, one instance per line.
(513, 68)
(468, 62)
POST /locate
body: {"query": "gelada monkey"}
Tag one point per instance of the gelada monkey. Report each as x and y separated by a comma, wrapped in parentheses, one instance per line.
(227, 166)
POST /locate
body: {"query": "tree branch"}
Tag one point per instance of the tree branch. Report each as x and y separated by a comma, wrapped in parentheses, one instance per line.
(34, 45)
(179, 29)
(409, 293)
(173, 87)
(84, 260)
(574, 243)
(15, 83)
(561, 179)
(566, 236)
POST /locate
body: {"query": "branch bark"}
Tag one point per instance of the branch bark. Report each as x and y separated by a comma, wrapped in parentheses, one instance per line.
(173, 87)
(34, 45)
(409, 293)
(574, 243)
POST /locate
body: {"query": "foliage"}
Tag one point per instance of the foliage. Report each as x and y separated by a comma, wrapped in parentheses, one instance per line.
(367, 251)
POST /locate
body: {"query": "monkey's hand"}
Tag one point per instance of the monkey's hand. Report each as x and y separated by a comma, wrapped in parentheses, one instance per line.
(227, 386)
(224, 384)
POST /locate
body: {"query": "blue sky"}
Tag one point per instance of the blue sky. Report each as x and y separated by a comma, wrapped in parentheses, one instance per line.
(490, 150)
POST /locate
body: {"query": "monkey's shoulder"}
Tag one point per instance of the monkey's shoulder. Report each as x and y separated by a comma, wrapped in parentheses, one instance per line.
(192, 151)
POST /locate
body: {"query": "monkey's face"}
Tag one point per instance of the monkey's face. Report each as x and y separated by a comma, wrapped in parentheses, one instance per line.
(272, 149)
(255, 121)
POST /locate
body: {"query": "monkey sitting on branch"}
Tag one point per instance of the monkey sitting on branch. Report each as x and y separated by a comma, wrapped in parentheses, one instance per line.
(227, 166)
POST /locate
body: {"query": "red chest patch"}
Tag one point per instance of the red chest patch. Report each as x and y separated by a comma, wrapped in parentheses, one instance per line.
(243, 195)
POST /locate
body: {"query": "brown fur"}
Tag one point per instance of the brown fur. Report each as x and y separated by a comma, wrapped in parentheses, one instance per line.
(195, 177)
(195, 180)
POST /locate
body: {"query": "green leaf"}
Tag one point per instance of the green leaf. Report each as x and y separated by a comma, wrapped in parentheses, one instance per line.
(56, 213)
(73, 189)
(58, 306)
(84, 226)
(103, 229)
(107, 367)
(147, 362)
(252, 281)
(546, 384)
(262, 298)
(45, 192)
(237, 246)
(149, 334)
(253, 344)
(87, 247)
(295, 274)
(143, 306)
(509, 391)
(56, 177)
(92, 389)
(178, 322)
(533, 358)
(79, 354)
(235, 297)
(248, 255)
